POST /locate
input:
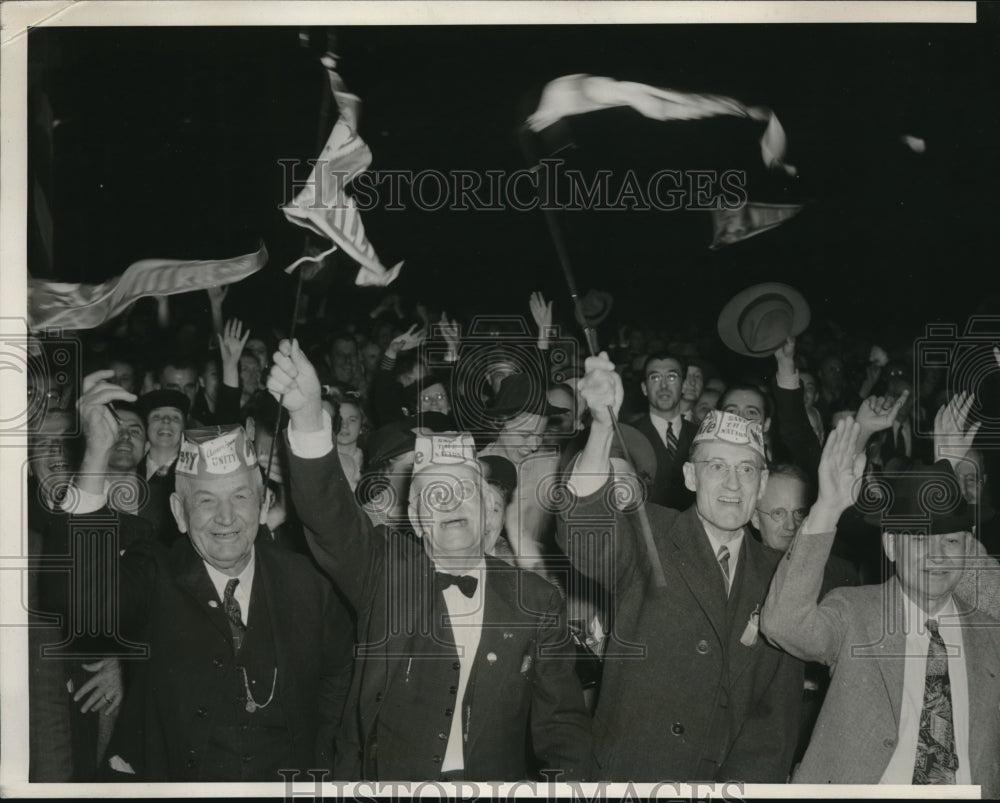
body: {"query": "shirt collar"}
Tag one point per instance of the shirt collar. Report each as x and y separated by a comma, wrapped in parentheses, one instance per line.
(220, 580)
(914, 616)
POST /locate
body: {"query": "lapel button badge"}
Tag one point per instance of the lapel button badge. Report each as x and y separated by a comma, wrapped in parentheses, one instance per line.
(491, 658)
(213, 604)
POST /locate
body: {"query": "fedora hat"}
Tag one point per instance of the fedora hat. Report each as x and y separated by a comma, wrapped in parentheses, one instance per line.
(595, 307)
(757, 321)
(925, 500)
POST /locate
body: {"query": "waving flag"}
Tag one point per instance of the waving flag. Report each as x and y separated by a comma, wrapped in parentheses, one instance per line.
(324, 207)
(85, 306)
(580, 94)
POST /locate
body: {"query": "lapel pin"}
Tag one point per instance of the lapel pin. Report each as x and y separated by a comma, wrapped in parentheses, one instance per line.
(213, 604)
(507, 634)
(491, 658)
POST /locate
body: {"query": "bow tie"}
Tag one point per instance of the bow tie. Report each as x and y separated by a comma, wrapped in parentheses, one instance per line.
(466, 583)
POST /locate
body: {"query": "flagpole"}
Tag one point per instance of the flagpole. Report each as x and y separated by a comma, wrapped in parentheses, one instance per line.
(592, 344)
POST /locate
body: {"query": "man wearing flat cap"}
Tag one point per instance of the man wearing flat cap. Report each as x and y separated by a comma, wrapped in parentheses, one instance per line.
(913, 696)
(463, 660)
(690, 690)
(249, 657)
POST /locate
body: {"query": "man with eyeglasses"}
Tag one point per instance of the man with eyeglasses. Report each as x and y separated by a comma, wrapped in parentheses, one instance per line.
(690, 691)
(666, 429)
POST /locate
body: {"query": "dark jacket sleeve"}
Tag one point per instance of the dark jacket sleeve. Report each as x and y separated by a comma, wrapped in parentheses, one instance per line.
(560, 722)
(795, 442)
(601, 542)
(387, 393)
(339, 533)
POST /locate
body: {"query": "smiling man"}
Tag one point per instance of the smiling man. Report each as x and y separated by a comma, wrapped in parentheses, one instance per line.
(464, 661)
(913, 696)
(249, 659)
(689, 690)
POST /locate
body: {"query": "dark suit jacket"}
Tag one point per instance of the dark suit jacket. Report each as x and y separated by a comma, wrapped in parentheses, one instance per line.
(166, 602)
(682, 697)
(792, 437)
(156, 509)
(668, 485)
(522, 679)
(857, 729)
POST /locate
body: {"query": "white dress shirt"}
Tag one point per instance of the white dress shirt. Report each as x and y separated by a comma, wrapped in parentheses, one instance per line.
(243, 588)
(907, 436)
(465, 613)
(900, 767)
(735, 545)
(466, 617)
(660, 425)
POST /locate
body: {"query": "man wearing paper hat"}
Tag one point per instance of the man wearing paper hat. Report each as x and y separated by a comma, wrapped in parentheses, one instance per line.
(710, 699)
(913, 695)
(249, 652)
(463, 654)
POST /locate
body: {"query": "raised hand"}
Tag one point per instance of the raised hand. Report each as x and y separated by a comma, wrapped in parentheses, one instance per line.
(840, 471)
(879, 412)
(952, 437)
(410, 339)
(100, 428)
(785, 355)
(231, 342)
(450, 333)
(217, 294)
(294, 383)
(541, 312)
(601, 387)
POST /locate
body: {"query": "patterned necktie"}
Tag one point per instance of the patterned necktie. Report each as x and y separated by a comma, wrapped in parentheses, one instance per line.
(936, 759)
(671, 441)
(233, 613)
(724, 564)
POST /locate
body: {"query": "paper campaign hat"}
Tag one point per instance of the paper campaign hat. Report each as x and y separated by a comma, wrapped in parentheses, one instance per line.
(214, 452)
(731, 428)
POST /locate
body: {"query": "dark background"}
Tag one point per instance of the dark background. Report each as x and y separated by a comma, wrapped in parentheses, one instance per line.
(164, 142)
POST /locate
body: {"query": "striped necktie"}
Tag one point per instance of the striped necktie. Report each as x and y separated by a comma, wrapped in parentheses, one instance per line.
(724, 565)
(936, 759)
(234, 614)
(671, 441)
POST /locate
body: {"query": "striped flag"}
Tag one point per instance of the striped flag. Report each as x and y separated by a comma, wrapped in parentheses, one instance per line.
(324, 207)
(86, 306)
(580, 94)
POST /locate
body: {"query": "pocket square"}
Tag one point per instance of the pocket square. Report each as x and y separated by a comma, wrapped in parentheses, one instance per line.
(526, 664)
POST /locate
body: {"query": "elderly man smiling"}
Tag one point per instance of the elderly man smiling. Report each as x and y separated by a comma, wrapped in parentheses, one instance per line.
(249, 656)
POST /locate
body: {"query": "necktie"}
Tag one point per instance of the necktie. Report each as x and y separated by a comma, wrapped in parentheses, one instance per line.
(671, 441)
(466, 583)
(724, 565)
(233, 613)
(936, 760)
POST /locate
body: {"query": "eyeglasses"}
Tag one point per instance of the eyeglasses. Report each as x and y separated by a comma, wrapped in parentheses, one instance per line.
(719, 469)
(779, 515)
(427, 397)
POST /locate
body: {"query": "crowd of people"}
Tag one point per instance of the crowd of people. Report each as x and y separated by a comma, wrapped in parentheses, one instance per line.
(412, 547)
